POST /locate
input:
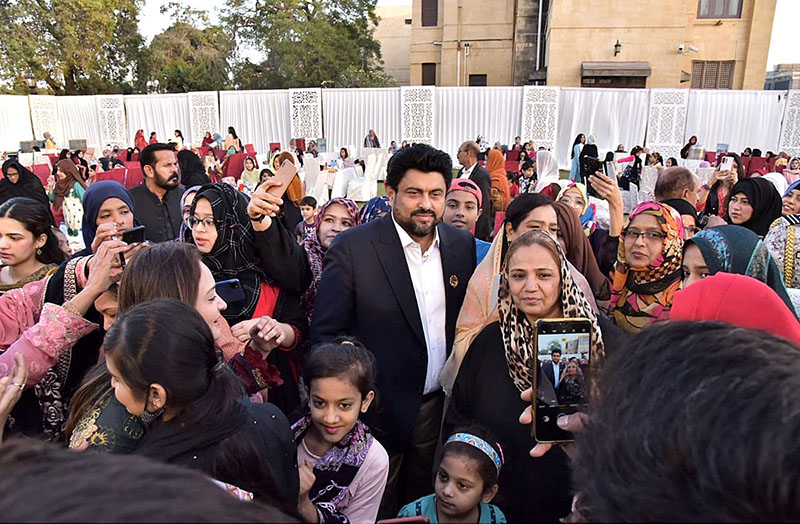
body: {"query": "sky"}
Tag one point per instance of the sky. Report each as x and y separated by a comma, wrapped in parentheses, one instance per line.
(783, 47)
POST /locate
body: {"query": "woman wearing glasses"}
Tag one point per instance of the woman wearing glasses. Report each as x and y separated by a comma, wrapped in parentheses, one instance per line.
(239, 240)
(648, 269)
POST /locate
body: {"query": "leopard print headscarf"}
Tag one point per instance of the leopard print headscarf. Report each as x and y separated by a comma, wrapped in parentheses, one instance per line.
(518, 332)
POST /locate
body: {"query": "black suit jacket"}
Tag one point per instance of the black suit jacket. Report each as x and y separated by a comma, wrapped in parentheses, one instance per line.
(485, 224)
(366, 291)
(547, 368)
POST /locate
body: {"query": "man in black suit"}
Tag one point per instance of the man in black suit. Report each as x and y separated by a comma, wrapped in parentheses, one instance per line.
(468, 157)
(555, 369)
(397, 283)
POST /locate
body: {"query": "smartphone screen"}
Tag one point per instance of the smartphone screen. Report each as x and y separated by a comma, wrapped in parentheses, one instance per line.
(562, 375)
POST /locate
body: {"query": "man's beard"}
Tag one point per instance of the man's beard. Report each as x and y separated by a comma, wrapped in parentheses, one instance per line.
(169, 182)
(416, 229)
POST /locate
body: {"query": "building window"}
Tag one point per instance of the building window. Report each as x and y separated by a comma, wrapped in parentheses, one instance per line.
(429, 74)
(430, 13)
(408, 21)
(712, 75)
(719, 9)
(477, 80)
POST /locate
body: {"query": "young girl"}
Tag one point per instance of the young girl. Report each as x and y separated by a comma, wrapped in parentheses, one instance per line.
(343, 469)
(465, 483)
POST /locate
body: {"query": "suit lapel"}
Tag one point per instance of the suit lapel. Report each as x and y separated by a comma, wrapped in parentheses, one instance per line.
(393, 260)
(450, 266)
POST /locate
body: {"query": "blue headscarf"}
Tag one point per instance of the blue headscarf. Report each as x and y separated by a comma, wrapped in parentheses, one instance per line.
(93, 199)
(375, 206)
(791, 188)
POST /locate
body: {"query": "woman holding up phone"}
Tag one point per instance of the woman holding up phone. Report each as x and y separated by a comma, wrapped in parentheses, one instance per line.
(241, 240)
(713, 200)
(536, 283)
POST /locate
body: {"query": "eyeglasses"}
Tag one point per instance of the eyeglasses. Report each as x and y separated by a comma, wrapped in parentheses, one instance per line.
(691, 229)
(208, 223)
(649, 236)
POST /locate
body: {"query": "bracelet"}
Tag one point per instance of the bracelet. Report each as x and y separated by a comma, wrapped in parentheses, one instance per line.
(259, 219)
(70, 307)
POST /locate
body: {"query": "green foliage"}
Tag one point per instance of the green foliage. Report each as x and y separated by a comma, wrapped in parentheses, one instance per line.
(306, 42)
(72, 46)
(184, 58)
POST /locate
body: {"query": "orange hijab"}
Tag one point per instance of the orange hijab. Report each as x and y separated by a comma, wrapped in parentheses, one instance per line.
(496, 166)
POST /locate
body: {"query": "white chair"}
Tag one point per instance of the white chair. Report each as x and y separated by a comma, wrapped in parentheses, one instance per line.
(26, 159)
(363, 189)
(316, 184)
(341, 180)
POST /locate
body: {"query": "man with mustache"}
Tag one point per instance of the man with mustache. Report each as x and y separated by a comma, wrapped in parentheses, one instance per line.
(157, 199)
(397, 283)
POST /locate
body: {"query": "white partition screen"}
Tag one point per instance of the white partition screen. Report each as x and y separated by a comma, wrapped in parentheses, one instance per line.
(259, 117)
(615, 116)
(738, 118)
(15, 121)
(463, 113)
(349, 114)
(160, 113)
(78, 119)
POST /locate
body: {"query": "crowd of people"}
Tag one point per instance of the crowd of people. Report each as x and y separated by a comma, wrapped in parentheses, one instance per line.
(348, 362)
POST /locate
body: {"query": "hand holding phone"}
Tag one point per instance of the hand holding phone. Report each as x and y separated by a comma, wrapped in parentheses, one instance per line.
(230, 291)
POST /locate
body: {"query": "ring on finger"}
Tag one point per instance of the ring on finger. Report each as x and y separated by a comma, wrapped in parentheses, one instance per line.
(20, 386)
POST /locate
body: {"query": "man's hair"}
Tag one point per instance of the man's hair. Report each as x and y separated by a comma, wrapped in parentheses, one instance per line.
(40, 482)
(147, 157)
(698, 423)
(421, 157)
(471, 147)
(527, 165)
(308, 201)
(673, 181)
(555, 351)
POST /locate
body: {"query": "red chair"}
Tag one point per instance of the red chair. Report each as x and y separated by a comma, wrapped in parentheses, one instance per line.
(203, 150)
(273, 145)
(300, 143)
(757, 163)
(513, 155)
(42, 172)
(771, 164)
(134, 177)
(711, 157)
(746, 162)
(512, 166)
(131, 165)
(135, 157)
(249, 149)
(234, 165)
(117, 175)
(780, 169)
(220, 154)
(53, 158)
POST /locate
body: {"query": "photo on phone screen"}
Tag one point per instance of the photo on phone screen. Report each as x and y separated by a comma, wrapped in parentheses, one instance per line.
(562, 375)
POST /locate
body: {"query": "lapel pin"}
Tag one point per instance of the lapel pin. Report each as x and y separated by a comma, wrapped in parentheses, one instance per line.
(453, 281)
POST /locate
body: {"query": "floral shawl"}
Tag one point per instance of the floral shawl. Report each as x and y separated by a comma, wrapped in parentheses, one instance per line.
(316, 253)
(335, 470)
(640, 297)
(518, 332)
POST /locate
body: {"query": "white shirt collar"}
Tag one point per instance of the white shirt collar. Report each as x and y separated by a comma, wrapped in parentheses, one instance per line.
(406, 240)
(468, 170)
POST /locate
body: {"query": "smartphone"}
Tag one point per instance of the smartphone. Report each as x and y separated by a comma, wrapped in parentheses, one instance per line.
(284, 176)
(230, 291)
(726, 164)
(562, 375)
(133, 235)
(592, 165)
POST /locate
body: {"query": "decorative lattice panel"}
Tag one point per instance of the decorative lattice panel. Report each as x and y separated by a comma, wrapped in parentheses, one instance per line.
(204, 114)
(790, 131)
(417, 113)
(306, 109)
(44, 116)
(111, 112)
(666, 121)
(540, 115)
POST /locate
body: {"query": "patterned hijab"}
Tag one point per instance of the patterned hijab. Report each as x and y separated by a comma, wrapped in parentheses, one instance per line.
(589, 210)
(315, 252)
(234, 254)
(735, 249)
(374, 207)
(518, 332)
(783, 243)
(642, 296)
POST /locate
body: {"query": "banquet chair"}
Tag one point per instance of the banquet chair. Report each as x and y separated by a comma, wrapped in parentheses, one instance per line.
(134, 177)
(362, 189)
(42, 172)
(117, 175)
(341, 180)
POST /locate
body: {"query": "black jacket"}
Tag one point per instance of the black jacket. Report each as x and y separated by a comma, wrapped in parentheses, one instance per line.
(366, 291)
(485, 224)
(161, 218)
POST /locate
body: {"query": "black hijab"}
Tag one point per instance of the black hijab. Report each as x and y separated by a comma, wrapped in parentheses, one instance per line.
(681, 206)
(765, 200)
(28, 185)
(235, 254)
(193, 172)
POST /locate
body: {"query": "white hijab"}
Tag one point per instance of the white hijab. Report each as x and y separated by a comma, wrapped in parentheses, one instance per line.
(778, 181)
(546, 169)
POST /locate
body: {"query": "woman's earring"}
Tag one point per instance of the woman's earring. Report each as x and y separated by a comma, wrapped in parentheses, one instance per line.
(38, 251)
(149, 418)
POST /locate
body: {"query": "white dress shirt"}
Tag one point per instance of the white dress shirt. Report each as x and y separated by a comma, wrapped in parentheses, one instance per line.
(556, 373)
(428, 280)
(468, 171)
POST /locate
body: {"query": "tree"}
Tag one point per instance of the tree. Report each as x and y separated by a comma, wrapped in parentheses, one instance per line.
(185, 58)
(73, 46)
(305, 42)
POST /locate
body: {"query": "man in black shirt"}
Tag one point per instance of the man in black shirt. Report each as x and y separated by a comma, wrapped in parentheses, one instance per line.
(158, 199)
